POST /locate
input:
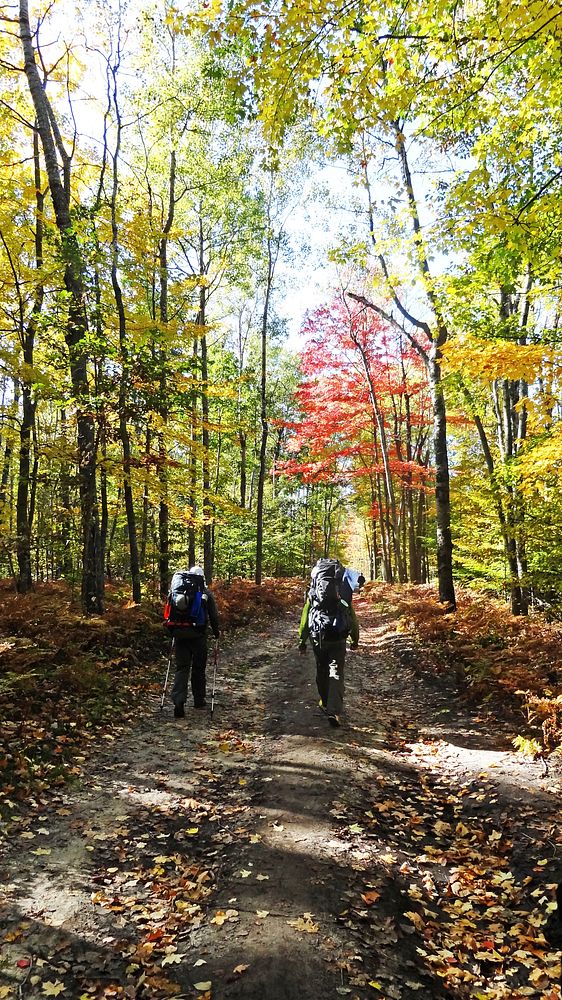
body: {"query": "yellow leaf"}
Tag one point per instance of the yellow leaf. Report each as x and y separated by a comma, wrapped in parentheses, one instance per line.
(53, 989)
(262, 914)
(42, 850)
(202, 987)
(192, 830)
(5, 991)
(304, 924)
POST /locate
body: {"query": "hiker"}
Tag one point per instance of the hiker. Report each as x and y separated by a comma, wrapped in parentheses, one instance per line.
(327, 620)
(190, 609)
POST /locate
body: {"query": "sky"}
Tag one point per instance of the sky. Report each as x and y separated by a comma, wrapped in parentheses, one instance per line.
(324, 215)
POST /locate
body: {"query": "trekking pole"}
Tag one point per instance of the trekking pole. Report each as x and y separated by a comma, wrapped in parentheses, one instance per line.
(167, 673)
(215, 662)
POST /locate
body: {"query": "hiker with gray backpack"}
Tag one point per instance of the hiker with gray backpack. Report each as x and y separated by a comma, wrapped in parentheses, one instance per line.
(189, 611)
(327, 620)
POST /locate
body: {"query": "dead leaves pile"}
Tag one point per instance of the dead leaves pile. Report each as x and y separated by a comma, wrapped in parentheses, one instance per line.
(475, 901)
(512, 660)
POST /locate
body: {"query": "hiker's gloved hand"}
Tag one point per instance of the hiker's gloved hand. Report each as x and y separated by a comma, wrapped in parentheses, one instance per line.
(354, 645)
(302, 650)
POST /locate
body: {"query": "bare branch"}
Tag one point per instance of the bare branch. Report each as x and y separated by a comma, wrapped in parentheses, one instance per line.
(389, 318)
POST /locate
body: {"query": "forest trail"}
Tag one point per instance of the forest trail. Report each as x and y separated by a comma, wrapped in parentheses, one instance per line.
(263, 855)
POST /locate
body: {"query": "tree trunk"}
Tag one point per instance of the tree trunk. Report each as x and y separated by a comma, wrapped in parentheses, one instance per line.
(66, 508)
(191, 539)
(264, 432)
(145, 501)
(206, 470)
(23, 511)
(124, 436)
(163, 510)
(76, 326)
(442, 492)
(243, 441)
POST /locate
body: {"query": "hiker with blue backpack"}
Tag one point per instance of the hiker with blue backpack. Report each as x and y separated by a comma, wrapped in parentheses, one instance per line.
(190, 610)
(327, 620)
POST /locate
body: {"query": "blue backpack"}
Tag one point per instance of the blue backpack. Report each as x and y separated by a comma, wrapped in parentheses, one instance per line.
(185, 605)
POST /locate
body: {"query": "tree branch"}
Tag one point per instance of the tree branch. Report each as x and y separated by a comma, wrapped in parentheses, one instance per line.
(389, 318)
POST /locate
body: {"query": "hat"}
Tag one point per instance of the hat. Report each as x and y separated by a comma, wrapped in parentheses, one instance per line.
(197, 571)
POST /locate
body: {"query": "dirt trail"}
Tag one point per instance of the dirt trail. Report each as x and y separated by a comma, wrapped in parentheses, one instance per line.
(263, 855)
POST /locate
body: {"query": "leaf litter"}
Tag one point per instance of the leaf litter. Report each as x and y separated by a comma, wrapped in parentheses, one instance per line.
(448, 868)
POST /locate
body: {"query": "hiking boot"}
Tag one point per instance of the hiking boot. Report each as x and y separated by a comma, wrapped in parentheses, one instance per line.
(334, 721)
(322, 707)
(200, 704)
(179, 712)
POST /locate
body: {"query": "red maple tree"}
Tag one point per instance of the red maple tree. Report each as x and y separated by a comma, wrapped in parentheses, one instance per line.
(365, 418)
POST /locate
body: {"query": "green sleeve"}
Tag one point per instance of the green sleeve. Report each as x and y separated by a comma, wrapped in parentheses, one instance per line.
(354, 630)
(303, 627)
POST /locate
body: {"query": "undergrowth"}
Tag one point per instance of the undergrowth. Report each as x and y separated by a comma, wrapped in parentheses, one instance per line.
(513, 664)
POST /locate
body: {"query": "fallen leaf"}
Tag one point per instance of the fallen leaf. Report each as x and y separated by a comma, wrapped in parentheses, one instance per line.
(202, 986)
(262, 878)
(262, 914)
(370, 897)
(42, 850)
(240, 969)
(53, 989)
(304, 924)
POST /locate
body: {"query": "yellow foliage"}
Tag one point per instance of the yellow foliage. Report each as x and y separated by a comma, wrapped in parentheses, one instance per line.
(500, 359)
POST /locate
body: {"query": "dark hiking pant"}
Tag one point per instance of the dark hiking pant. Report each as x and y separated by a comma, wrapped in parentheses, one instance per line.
(330, 662)
(191, 658)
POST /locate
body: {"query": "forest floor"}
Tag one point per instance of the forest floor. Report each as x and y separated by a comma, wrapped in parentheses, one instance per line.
(260, 854)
